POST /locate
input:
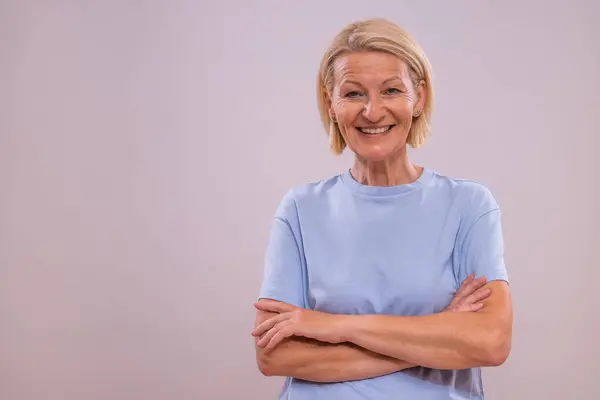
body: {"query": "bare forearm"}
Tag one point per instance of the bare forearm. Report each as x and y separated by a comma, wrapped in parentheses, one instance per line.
(322, 362)
(442, 341)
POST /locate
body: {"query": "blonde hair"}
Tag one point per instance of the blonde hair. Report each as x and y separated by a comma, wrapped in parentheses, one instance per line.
(375, 35)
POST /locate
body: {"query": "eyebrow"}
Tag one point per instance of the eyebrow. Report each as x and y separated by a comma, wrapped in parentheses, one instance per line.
(393, 78)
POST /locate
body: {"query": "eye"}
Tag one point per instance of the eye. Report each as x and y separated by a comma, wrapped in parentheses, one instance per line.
(392, 91)
(352, 94)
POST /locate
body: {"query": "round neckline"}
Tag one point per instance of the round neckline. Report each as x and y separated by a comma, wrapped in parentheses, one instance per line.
(385, 191)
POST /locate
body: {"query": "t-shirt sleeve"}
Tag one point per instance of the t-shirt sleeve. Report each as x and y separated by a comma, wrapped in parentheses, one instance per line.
(283, 277)
(482, 249)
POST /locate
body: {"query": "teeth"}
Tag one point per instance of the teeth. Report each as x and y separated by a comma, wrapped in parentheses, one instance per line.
(375, 130)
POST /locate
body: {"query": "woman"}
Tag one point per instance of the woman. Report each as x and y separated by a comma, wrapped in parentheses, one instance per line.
(363, 269)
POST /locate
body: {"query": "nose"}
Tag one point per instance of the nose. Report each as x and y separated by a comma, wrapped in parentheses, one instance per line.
(374, 110)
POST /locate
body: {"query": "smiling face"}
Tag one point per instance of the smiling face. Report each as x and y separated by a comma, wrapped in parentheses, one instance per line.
(374, 102)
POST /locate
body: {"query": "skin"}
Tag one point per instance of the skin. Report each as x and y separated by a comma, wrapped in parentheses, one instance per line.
(321, 361)
(441, 341)
(374, 90)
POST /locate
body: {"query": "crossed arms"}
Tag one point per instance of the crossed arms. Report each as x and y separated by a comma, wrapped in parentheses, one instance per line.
(474, 330)
(315, 361)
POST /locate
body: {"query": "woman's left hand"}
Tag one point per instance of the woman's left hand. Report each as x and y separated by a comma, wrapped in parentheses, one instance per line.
(295, 321)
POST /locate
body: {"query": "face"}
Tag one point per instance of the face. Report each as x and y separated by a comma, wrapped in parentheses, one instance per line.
(373, 102)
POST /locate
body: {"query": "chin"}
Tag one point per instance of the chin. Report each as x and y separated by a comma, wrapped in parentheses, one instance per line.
(374, 154)
(375, 149)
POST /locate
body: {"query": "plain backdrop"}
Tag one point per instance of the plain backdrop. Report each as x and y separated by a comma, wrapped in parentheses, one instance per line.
(144, 147)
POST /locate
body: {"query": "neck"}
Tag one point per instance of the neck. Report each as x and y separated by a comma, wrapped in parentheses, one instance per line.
(394, 171)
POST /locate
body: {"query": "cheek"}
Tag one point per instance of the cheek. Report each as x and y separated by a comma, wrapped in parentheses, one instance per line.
(347, 113)
(402, 110)
(401, 106)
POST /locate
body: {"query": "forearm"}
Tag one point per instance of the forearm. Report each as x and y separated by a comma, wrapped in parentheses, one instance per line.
(442, 341)
(311, 360)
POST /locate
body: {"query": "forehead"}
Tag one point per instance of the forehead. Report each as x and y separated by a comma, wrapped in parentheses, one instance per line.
(369, 67)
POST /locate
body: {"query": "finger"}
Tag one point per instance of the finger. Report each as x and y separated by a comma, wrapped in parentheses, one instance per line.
(469, 278)
(278, 337)
(269, 323)
(268, 336)
(464, 286)
(478, 296)
(476, 307)
(273, 306)
(474, 285)
(469, 286)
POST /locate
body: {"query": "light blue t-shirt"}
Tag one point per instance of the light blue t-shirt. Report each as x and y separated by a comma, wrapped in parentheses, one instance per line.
(342, 247)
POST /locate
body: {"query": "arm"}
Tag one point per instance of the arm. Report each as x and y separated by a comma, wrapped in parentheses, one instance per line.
(453, 340)
(441, 341)
(444, 340)
(316, 361)
(321, 361)
(285, 280)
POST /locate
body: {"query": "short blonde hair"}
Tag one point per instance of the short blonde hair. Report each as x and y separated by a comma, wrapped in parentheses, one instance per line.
(375, 35)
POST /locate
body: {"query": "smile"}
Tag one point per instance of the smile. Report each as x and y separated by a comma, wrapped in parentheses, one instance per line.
(375, 131)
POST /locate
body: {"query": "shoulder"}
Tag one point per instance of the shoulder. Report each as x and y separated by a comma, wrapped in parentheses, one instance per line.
(468, 190)
(307, 195)
(472, 198)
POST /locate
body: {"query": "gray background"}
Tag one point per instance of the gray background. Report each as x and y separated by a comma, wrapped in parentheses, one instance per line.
(145, 146)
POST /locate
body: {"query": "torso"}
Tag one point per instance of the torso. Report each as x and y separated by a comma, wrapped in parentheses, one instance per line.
(387, 250)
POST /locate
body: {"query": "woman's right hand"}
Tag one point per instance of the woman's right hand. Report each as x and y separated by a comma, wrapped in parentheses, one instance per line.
(469, 296)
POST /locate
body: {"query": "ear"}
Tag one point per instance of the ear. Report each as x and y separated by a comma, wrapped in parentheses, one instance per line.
(330, 111)
(328, 102)
(421, 94)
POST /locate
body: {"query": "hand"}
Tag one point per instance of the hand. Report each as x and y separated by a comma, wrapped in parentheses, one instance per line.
(295, 321)
(469, 295)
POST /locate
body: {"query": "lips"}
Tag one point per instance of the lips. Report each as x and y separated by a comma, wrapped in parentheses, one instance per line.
(375, 130)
